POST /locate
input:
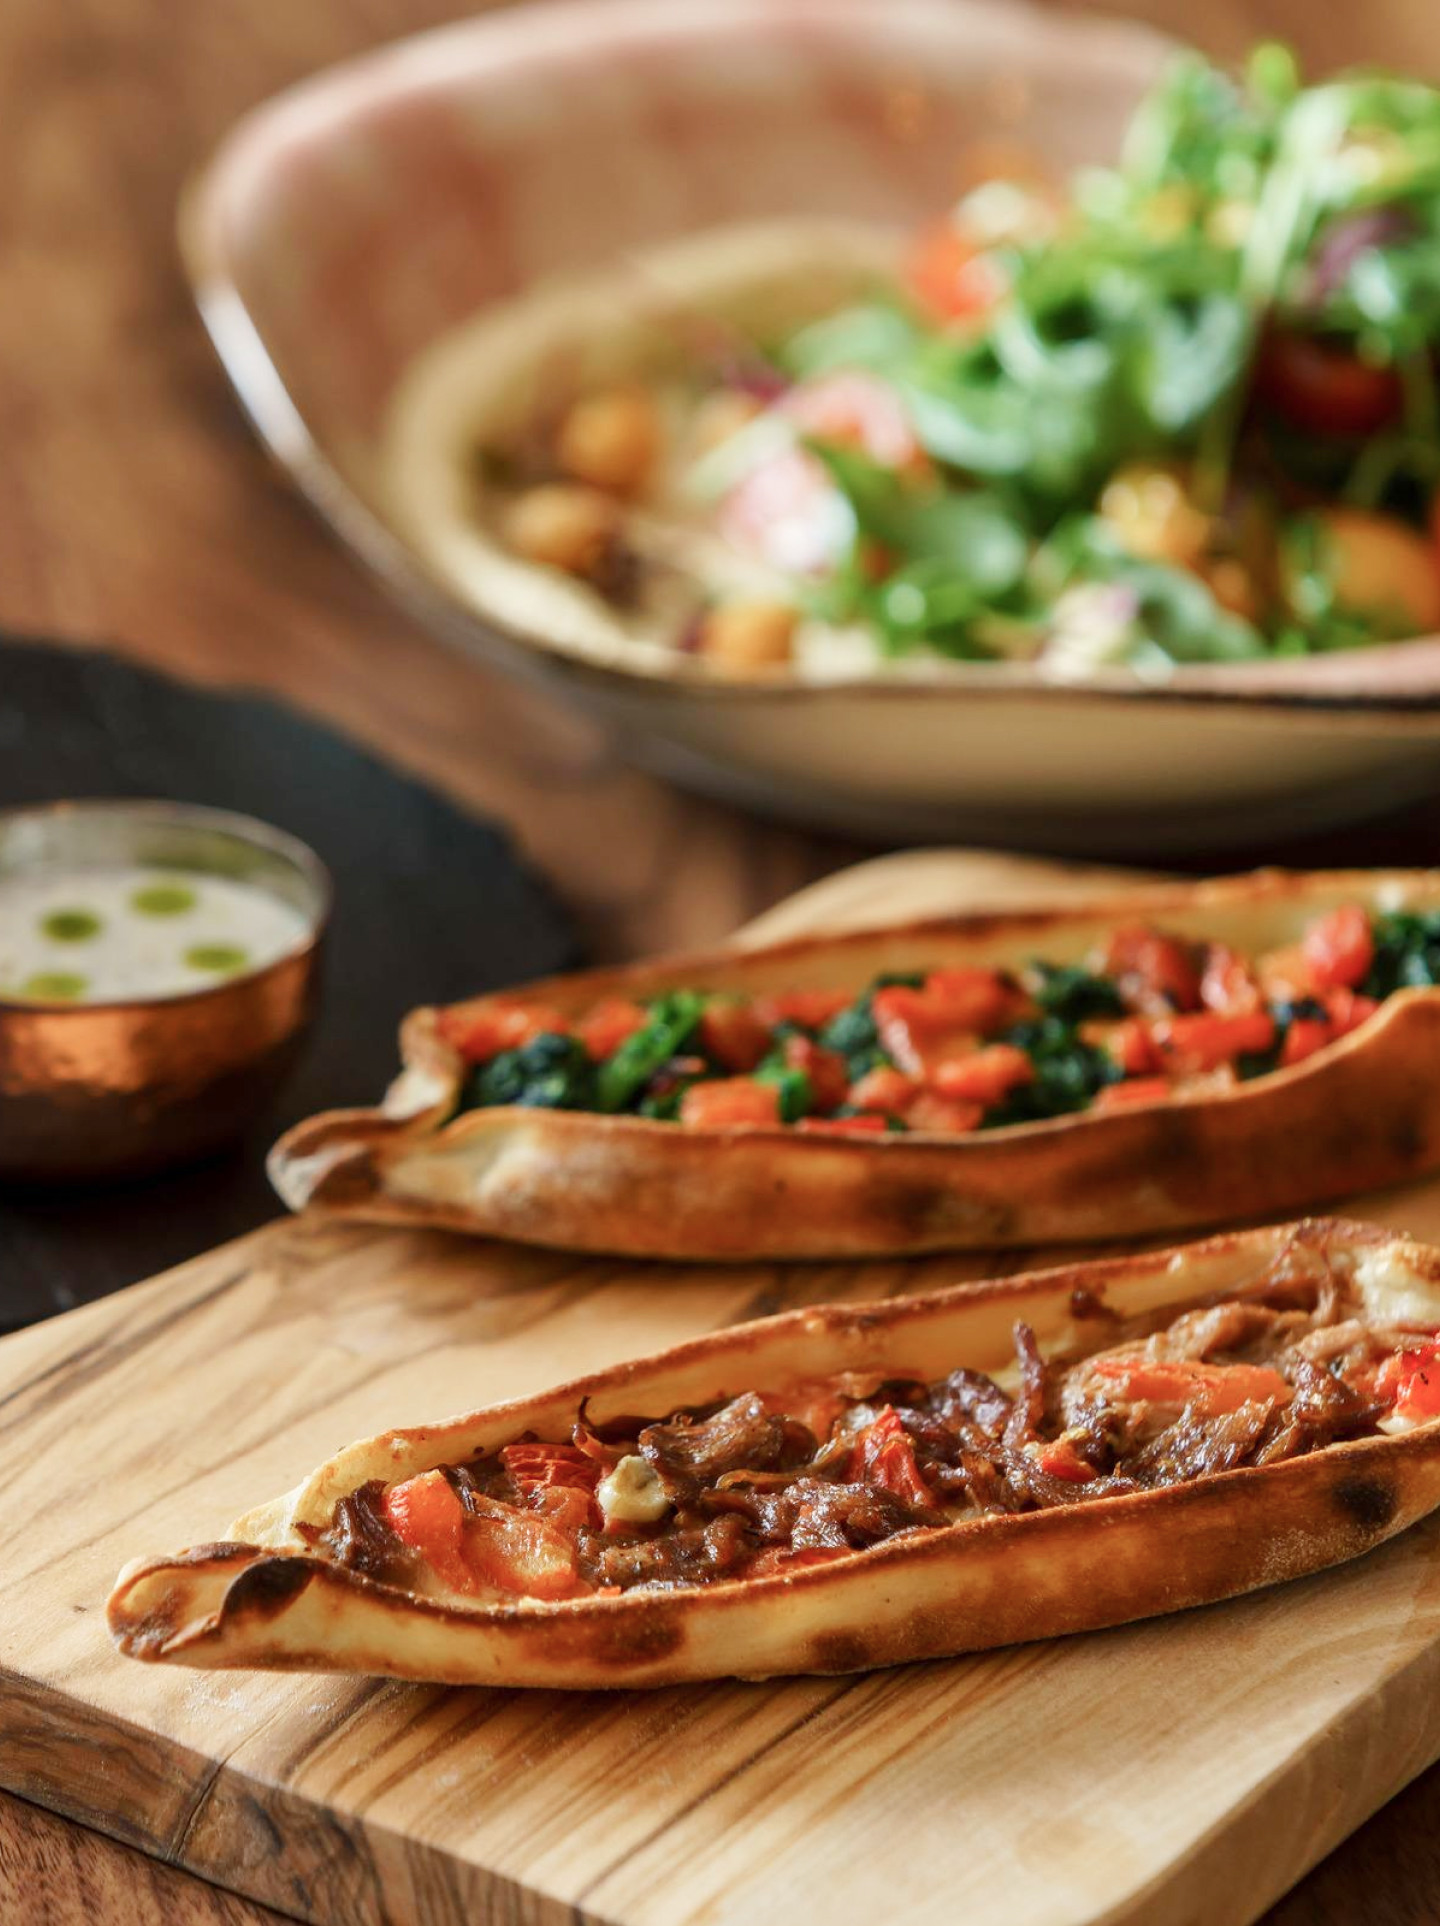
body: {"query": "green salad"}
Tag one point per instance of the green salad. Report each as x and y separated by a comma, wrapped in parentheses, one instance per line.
(1185, 410)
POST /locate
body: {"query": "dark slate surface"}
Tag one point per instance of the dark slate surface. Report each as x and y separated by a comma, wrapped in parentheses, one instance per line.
(430, 905)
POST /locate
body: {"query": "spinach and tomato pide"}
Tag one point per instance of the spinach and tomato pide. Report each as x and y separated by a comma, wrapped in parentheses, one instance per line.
(1010, 1460)
(1146, 1016)
(1177, 1057)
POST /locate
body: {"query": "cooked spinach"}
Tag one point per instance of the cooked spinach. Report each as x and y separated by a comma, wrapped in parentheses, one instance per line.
(551, 1072)
(1407, 953)
(671, 1022)
(1066, 991)
(1069, 1073)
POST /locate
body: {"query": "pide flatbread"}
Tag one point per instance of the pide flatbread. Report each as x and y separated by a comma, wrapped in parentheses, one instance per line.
(845, 1487)
(661, 318)
(982, 1107)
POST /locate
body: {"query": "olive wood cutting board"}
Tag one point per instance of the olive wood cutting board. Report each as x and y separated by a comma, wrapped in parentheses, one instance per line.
(1184, 1770)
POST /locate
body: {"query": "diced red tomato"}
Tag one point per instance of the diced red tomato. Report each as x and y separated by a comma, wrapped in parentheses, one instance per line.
(1340, 948)
(1411, 1380)
(733, 1034)
(567, 1508)
(1193, 1043)
(1347, 1010)
(826, 1069)
(1156, 973)
(921, 1028)
(984, 1076)
(1128, 1044)
(811, 1009)
(1305, 1036)
(606, 1027)
(426, 1514)
(814, 1401)
(856, 410)
(1120, 1096)
(537, 1465)
(776, 1559)
(481, 1031)
(1228, 983)
(1324, 388)
(949, 1116)
(521, 1551)
(730, 1103)
(885, 1090)
(1210, 1388)
(869, 1125)
(1285, 974)
(883, 1455)
(1062, 1460)
(952, 278)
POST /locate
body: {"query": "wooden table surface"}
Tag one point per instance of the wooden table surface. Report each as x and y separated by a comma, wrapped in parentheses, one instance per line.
(136, 510)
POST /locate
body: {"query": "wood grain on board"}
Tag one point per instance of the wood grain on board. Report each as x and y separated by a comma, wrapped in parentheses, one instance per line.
(1117, 1777)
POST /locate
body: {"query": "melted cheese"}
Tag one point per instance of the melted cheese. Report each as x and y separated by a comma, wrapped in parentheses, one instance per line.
(1393, 1292)
(632, 1494)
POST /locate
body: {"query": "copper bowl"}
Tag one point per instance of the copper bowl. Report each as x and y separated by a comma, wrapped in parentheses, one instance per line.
(124, 1088)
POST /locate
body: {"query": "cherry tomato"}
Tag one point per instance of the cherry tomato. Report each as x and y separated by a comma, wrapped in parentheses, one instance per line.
(984, 1076)
(729, 1103)
(733, 1035)
(1316, 385)
(480, 1032)
(603, 1029)
(1340, 948)
(952, 278)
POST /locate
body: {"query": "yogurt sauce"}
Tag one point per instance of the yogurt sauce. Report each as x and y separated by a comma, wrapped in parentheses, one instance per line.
(122, 934)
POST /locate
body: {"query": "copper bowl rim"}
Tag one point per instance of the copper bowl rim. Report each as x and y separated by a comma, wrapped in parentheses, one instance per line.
(232, 822)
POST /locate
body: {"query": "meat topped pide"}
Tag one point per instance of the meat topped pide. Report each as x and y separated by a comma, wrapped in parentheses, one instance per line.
(771, 1479)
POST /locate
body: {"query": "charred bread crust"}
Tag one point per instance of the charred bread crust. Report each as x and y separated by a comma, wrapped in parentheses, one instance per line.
(1362, 1113)
(266, 1600)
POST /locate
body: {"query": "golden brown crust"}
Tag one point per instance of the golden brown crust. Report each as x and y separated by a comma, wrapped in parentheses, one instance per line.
(1360, 1114)
(990, 1581)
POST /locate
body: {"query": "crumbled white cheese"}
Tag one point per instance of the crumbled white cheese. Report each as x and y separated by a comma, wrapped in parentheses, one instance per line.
(1394, 1293)
(632, 1494)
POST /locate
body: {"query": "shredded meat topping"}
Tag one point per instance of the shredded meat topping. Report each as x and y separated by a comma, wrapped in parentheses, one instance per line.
(749, 1487)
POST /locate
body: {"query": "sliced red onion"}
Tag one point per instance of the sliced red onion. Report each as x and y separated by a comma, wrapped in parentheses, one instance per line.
(1346, 239)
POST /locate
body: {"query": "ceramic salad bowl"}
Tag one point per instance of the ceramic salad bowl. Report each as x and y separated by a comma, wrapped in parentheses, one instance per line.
(346, 226)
